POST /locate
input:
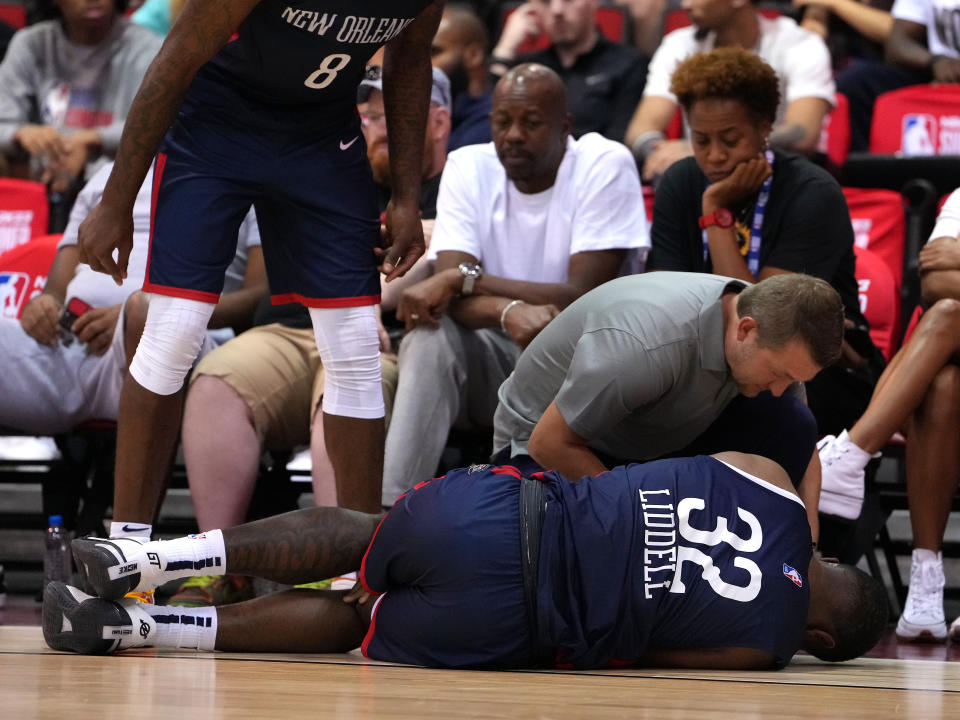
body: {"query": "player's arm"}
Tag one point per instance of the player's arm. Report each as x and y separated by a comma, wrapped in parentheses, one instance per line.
(204, 26)
(407, 79)
(556, 447)
(728, 658)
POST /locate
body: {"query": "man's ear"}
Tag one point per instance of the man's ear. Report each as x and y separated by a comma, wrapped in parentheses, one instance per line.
(473, 55)
(744, 326)
(817, 638)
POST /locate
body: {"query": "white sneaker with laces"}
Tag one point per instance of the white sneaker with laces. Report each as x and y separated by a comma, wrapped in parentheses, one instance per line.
(922, 619)
(75, 621)
(841, 489)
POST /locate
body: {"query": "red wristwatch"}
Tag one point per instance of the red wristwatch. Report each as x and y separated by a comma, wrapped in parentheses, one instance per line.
(721, 217)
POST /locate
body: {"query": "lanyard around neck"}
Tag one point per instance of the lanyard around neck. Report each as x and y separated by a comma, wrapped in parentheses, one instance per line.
(753, 252)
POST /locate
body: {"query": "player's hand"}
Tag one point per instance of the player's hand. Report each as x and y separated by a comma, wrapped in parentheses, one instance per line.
(665, 154)
(523, 322)
(104, 230)
(404, 240)
(942, 253)
(95, 328)
(357, 595)
(41, 140)
(425, 302)
(744, 181)
(41, 319)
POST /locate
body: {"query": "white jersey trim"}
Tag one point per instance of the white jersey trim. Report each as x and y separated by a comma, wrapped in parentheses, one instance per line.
(763, 483)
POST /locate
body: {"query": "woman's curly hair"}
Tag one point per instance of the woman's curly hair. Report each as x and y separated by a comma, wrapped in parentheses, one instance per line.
(728, 73)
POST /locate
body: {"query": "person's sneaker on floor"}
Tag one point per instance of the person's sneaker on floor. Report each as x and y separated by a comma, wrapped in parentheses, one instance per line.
(842, 484)
(110, 566)
(75, 621)
(212, 590)
(922, 619)
(954, 632)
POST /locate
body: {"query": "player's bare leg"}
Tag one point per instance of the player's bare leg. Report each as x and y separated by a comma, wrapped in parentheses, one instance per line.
(355, 447)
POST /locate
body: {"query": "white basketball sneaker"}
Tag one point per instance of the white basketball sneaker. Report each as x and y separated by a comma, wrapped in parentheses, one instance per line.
(112, 567)
(842, 486)
(81, 623)
(922, 619)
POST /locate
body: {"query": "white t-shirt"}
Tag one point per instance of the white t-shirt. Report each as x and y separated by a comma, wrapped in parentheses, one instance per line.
(98, 289)
(948, 221)
(941, 18)
(595, 204)
(799, 57)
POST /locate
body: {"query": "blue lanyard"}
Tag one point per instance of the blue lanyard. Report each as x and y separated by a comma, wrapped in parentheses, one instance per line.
(753, 252)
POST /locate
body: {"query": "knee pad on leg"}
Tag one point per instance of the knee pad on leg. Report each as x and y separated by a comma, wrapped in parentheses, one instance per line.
(170, 342)
(350, 351)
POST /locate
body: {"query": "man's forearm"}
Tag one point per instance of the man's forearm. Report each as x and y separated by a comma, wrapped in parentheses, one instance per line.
(940, 284)
(235, 309)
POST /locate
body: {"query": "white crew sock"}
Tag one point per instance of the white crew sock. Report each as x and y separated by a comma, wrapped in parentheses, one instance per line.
(181, 627)
(190, 556)
(855, 451)
(140, 531)
(923, 555)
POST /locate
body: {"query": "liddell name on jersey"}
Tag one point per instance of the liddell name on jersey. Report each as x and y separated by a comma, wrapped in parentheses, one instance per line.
(348, 29)
(664, 555)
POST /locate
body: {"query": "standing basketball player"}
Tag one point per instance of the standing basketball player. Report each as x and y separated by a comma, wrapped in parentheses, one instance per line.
(253, 102)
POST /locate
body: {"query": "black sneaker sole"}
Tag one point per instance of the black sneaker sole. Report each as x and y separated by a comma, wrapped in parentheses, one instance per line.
(94, 560)
(87, 619)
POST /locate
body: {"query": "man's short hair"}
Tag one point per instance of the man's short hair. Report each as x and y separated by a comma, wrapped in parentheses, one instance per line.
(794, 306)
(860, 614)
(728, 73)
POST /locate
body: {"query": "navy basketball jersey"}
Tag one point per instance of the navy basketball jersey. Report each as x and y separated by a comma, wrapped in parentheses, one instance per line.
(310, 51)
(678, 553)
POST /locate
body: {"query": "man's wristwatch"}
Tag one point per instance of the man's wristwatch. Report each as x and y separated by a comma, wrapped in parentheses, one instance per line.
(720, 217)
(471, 273)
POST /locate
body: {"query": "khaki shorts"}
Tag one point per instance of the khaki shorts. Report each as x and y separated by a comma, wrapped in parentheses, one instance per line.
(278, 373)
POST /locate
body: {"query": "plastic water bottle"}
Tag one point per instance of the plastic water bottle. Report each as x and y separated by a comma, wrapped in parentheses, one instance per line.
(56, 556)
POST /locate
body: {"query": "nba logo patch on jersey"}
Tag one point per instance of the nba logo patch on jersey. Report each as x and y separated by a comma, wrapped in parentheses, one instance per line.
(792, 575)
(13, 292)
(919, 134)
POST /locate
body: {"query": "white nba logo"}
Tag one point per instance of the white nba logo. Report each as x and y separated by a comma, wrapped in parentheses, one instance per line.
(919, 133)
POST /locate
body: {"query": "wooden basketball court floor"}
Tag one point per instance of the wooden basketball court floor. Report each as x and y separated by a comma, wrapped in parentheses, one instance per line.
(36, 682)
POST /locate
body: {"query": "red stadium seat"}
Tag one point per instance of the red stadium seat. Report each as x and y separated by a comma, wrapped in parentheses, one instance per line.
(879, 296)
(23, 273)
(917, 120)
(879, 224)
(24, 212)
(613, 21)
(835, 134)
(13, 14)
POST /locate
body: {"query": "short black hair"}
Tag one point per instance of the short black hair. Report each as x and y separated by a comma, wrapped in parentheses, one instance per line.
(861, 612)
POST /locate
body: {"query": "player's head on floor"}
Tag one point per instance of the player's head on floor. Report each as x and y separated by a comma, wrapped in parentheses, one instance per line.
(848, 612)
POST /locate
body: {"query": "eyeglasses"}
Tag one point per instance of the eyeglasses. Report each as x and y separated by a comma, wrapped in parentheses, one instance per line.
(372, 119)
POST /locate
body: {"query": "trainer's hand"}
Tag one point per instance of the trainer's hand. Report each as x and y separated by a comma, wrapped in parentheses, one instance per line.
(41, 319)
(95, 328)
(404, 238)
(107, 229)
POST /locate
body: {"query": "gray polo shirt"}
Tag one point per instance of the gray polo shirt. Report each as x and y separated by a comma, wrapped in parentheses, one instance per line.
(636, 367)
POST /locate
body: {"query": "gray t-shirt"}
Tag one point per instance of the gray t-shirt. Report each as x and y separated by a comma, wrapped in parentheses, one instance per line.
(636, 366)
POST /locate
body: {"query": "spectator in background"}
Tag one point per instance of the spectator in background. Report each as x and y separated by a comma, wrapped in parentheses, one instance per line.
(919, 393)
(264, 388)
(53, 379)
(525, 225)
(799, 58)
(65, 88)
(460, 50)
(604, 79)
(761, 213)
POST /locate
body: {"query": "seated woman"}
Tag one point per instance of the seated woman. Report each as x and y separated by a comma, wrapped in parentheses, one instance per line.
(919, 393)
(739, 209)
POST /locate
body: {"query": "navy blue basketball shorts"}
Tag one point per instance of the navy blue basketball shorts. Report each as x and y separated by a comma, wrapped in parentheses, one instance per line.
(447, 561)
(314, 199)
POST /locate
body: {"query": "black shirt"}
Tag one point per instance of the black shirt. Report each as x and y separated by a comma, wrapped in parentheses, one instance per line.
(806, 225)
(604, 86)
